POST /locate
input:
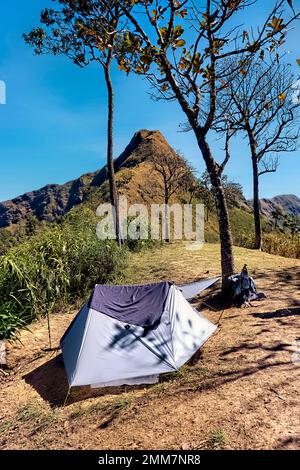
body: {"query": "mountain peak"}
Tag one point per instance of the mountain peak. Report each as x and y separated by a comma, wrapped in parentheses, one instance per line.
(141, 147)
(54, 200)
(287, 203)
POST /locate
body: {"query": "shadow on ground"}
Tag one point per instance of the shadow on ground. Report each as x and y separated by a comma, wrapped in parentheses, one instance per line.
(50, 382)
(285, 312)
(292, 442)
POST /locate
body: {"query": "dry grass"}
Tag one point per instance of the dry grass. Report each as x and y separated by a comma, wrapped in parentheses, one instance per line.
(177, 263)
(243, 392)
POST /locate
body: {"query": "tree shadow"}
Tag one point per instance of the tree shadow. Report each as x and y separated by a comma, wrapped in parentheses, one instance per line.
(291, 274)
(281, 313)
(277, 278)
(287, 442)
(210, 298)
(263, 331)
(245, 346)
(221, 378)
(204, 381)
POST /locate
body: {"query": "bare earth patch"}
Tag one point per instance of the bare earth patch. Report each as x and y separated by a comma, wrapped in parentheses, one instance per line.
(241, 394)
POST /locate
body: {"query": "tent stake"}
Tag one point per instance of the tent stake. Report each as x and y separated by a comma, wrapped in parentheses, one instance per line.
(67, 396)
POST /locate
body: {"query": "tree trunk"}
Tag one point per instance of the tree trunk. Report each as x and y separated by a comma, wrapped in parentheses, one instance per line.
(110, 162)
(256, 207)
(256, 200)
(227, 260)
(167, 222)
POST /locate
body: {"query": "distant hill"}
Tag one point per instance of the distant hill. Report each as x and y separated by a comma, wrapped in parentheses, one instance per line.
(54, 200)
(134, 176)
(288, 204)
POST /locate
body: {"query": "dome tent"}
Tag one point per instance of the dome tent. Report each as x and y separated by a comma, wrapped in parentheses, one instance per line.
(132, 334)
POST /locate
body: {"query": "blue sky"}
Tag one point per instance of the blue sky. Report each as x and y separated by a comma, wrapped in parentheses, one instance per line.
(54, 122)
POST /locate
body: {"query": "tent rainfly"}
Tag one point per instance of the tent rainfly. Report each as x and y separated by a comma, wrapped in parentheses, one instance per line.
(132, 334)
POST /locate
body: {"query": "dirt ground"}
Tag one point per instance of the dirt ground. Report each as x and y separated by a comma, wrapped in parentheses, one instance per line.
(240, 393)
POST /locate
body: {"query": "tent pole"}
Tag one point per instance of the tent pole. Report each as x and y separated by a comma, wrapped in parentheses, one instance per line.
(67, 396)
(49, 329)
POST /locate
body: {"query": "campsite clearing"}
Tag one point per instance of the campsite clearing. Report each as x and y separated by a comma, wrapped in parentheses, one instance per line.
(242, 393)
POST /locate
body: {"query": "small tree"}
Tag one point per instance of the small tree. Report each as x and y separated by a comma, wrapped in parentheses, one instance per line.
(260, 103)
(85, 32)
(206, 194)
(293, 223)
(7, 240)
(31, 225)
(174, 175)
(233, 192)
(278, 216)
(190, 67)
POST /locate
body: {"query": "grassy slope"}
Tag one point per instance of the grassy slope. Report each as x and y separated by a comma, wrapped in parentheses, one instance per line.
(176, 262)
(241, 394)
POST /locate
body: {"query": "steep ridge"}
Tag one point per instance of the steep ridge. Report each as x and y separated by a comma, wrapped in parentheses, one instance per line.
(54, 200)
(288, 204)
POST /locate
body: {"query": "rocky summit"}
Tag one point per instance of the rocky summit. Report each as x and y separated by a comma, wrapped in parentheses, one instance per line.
(54, 200)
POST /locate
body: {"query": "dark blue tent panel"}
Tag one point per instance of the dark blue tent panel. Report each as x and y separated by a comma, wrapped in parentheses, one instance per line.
(136, 305)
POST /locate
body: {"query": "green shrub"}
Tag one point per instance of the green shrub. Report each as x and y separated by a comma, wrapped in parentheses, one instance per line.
(244, 239)
(217, 440)
(139, 244)
(54, 268)
(10, 322)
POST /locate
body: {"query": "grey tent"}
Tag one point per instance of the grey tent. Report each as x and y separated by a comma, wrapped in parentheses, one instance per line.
(132, 334)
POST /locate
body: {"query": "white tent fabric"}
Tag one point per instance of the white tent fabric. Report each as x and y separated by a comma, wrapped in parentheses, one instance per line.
(100, 350)
(191, 290)
(150, 379)
(190, 330)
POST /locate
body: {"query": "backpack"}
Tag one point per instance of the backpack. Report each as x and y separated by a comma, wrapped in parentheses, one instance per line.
(243, 288)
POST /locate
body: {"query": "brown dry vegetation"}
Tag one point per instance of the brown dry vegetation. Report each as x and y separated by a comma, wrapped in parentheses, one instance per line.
(241, 394)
